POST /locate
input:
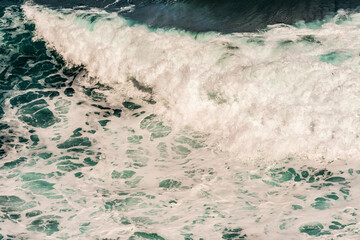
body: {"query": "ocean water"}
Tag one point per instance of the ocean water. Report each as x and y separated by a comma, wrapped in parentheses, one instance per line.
(179, 120)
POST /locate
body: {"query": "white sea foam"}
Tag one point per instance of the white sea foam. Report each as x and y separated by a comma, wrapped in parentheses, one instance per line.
(218, 194)
(283, 91)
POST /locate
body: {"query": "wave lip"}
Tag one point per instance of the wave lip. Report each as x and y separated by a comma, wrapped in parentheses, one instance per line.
(287, 90)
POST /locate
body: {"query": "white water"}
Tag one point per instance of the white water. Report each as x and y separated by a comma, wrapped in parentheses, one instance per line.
(256, 100)
(265, 101)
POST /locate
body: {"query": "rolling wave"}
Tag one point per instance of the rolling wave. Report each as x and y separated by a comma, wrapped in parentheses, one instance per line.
(286, 90)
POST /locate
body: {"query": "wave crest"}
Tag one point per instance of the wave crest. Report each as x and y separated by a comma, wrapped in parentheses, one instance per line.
(285, 90)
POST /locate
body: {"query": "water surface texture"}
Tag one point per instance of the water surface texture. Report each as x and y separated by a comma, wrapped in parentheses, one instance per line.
(179, 120)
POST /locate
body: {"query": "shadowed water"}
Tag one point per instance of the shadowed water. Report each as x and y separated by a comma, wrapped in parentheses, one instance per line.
(215, 15)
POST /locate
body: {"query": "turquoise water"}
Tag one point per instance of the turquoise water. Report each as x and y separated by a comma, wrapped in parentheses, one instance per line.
(97, 143)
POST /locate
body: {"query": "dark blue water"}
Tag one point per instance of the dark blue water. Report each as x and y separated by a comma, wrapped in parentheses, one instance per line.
(216, 15)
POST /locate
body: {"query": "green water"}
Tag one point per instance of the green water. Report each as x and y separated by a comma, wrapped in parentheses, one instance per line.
(76, 166)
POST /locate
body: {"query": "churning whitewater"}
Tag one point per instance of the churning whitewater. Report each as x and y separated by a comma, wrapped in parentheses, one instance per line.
(114, 129)
(274, 93)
